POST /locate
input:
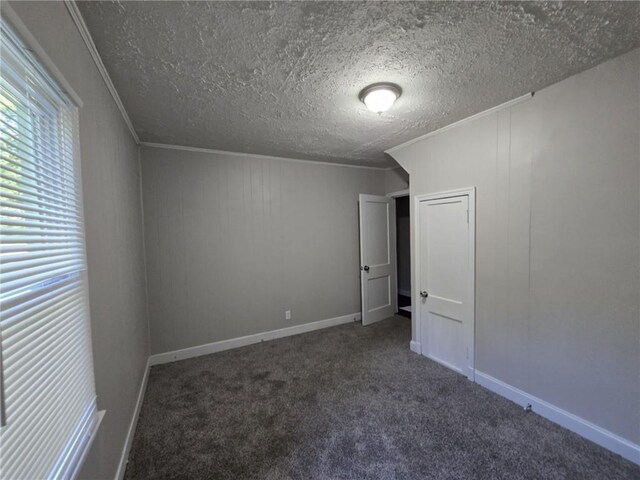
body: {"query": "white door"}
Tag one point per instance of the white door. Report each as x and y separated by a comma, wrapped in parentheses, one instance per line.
(377, 257)
(446, 279)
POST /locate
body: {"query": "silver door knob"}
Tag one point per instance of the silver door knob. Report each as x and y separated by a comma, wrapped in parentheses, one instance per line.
(366, 268)
(424, 294)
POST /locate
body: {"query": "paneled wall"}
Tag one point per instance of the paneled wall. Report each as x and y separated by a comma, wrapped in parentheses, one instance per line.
(234, 241)
(557, 241)
(113, 220)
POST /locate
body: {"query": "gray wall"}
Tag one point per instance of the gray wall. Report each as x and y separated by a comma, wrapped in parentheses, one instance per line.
(395, 180)
(558, 239)
(234, 241)
(110, 177)
(403, 243)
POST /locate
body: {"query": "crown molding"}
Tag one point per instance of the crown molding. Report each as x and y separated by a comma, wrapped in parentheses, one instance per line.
(508, 104)
(86, 36)
(257, 155)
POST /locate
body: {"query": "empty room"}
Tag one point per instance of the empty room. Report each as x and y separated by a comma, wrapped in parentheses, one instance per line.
(319, 240)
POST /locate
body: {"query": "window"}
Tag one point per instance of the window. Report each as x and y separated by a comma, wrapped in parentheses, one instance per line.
(48, 403)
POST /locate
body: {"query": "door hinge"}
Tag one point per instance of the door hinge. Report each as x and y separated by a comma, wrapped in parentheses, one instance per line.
(467, 215)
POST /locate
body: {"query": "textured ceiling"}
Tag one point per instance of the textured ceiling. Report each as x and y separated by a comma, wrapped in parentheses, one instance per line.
(281, 78)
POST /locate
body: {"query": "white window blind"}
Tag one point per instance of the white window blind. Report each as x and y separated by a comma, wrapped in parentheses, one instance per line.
(48, 402)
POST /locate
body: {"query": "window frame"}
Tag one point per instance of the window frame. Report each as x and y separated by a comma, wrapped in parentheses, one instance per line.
(68, 466)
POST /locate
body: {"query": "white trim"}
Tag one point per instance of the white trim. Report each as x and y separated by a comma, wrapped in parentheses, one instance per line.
(30, 41)
(399, 193)
(415, 347)
(88, 40)
(471, 191)
(255, 155)
(582, 427)
(415, 262)
(238, 342)
(87, 448)
(406, 293)
(489, 111)
(124, 457)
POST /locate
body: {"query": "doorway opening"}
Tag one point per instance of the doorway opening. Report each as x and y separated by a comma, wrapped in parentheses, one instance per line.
(403, 255)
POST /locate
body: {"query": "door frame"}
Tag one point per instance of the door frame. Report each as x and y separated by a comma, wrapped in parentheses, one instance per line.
(399, 193)
(396, 195)
(415, 222)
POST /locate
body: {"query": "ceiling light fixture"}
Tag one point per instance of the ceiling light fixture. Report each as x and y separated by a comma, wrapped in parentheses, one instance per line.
(380, 96)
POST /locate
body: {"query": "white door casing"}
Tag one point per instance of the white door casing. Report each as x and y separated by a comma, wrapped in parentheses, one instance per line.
(377, 257)
(445, 289)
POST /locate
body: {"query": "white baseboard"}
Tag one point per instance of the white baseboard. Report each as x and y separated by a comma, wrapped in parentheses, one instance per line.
(124, 458)
(222, 345)
(582, 427)
(415, 347)
(406, 293)
(212, 348)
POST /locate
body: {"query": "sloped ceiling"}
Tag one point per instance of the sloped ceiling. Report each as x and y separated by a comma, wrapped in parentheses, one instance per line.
(282, 78)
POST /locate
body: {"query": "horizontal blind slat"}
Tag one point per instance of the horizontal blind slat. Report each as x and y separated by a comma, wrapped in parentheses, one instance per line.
(17, 248)
(25, 219)
(32, 222)
(18, 163)
(18, 268)
(10, 99)
(41, 149)
(72, 412)
(35, 279)
(12, 207)
(40, 361)
(42, 153)
(33, 306)
(34, 191)
(27, 239)
(22, 401)
(34, 200)
(23, 175)
(37, 324)
(24, 321)
(52, 387)
(51, 437)
(55, 375)
(25, 152)
(9, 258)
(23, 231)
(49, 391)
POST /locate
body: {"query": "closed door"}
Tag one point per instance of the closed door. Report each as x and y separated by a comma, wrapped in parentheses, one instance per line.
(377, 257)
(446, 281)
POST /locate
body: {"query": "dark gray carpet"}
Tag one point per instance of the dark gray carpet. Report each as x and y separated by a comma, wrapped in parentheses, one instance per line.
(348, 402)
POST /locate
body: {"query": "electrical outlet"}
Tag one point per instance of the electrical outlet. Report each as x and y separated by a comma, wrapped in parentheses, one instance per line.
(287, 315)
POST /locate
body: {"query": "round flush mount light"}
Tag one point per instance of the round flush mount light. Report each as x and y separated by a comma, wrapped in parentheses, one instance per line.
(380, 96)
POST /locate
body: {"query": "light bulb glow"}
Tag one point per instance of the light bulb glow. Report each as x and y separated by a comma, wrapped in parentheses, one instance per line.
(379, 98)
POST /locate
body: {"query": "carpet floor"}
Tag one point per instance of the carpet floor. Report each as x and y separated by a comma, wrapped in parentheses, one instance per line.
(348, 402)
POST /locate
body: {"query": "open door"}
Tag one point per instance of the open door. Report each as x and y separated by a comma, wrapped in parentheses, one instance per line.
(377, 257)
